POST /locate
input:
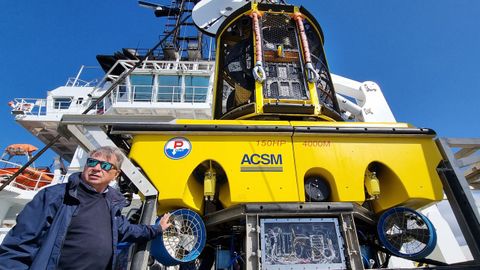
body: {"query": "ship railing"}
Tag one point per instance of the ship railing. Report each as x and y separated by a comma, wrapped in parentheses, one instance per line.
(159, 94)
(76, 82)
(29, 106)
(31, 179)
(137, 93)
(204, 67)
(122, 94)
(40, 107)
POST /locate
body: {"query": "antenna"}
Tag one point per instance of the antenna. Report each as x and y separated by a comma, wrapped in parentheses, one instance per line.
(146, 4)
(159, 10)
(208, 15)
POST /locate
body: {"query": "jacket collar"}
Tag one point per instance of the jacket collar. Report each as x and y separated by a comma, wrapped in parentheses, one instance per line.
(72, 186)
(113, 195)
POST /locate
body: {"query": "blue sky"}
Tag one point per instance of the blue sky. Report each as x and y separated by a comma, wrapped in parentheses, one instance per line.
(424, 54)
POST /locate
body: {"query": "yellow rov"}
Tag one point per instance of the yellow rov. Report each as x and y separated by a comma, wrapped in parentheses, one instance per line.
(278, 133)
(259, 161)
(290, 172)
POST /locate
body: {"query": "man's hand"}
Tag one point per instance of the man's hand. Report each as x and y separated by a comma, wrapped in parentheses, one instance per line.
(165, 221)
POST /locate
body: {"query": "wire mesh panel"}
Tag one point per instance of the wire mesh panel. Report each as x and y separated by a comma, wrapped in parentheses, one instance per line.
(406, 233)
(282, 59)
(301, 243)
(236, 63)
(183, 241)
(325, 90)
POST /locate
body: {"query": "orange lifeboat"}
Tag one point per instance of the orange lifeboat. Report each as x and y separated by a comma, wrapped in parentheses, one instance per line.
(31, 178)
(20, 149)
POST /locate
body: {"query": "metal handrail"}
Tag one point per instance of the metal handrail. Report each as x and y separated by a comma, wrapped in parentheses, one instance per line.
(72, 81)
(163, 94)
(122, 94)
(40, 106)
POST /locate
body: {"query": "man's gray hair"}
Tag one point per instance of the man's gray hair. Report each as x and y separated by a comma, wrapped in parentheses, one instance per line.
(108, 152)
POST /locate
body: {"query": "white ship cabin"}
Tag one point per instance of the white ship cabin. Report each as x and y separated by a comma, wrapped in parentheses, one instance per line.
(179, 89)
(171, 89)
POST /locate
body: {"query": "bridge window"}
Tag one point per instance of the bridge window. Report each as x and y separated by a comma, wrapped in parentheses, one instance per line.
(196, 88)
(169, 88)
(142, 86)
(123, 93)
(100, 107)
(62, 103)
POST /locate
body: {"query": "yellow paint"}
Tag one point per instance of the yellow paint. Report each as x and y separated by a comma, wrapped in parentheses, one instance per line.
(406, 165)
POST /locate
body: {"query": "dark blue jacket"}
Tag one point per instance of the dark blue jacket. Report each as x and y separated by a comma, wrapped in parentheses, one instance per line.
(36, 240)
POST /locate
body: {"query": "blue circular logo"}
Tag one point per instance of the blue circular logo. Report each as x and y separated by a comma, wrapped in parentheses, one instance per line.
(177, 148)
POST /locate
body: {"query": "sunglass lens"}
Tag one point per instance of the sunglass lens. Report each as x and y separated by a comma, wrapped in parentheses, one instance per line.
(92, 162)
(106, 166)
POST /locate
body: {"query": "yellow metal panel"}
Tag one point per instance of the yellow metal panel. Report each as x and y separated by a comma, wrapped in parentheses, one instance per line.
(350, 124)
(172, 179)
(262, 169)
(258, 168)
(272, 167)
(406, 167)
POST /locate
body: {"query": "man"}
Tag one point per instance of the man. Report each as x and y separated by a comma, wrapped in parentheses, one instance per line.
(76, 225)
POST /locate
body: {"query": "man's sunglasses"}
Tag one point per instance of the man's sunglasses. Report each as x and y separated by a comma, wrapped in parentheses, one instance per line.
(106, 166)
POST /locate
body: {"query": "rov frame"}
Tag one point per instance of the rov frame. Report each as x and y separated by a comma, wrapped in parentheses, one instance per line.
(89, 131)
(258, 99)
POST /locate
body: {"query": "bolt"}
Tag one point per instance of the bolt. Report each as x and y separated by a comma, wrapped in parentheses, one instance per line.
(368, 110)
